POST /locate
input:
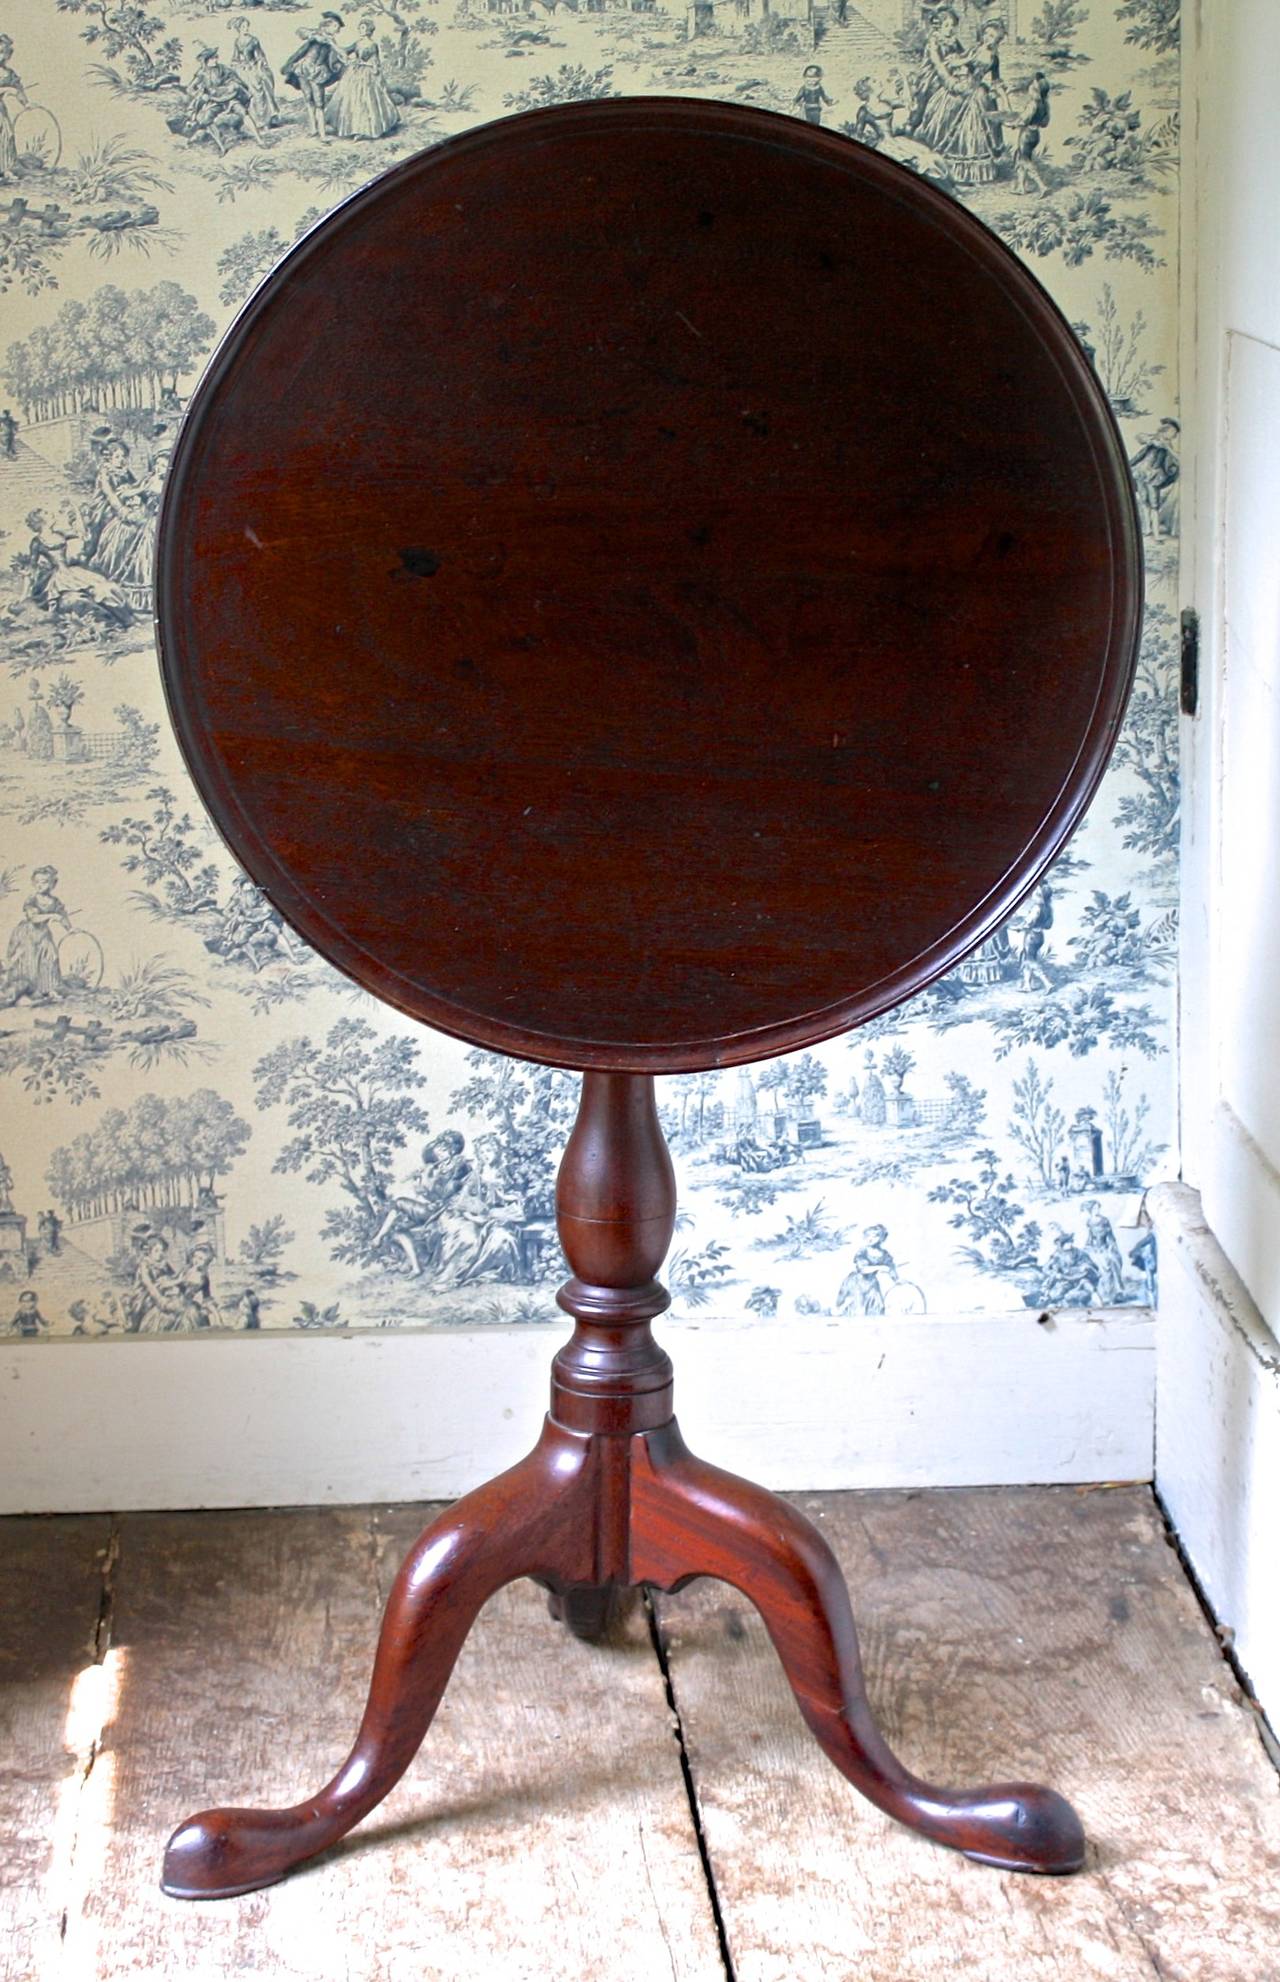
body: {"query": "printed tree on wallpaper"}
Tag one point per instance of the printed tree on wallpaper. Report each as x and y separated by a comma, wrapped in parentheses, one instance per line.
(526, 1114)
(263, 1248)
(572, 83)
(1110, 932)
(1118, 352)
(1057, 25)
(1074, 1167)
(1038, 1127)
(252, 256)
(1131, 1151)
(1079, 1019)
(1153, 24)
(162, 848)
(351, 1107)
(130, 36)
(1111, 140)
(121, 349)
(158, 1154)
(239, 928)
(1074, 224)
(405, 57)
(1001, 1239)
(1148, 746)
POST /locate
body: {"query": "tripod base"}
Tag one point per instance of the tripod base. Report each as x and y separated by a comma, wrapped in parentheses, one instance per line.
(611, 1498)
(591, 1515)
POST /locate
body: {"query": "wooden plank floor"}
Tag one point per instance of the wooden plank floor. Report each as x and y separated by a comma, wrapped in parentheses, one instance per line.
(159, 1662)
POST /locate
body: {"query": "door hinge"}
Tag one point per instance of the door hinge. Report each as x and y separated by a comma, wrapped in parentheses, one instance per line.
(1189, 690)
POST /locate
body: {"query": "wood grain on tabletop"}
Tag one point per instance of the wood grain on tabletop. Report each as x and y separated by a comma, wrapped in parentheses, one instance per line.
(648, 584)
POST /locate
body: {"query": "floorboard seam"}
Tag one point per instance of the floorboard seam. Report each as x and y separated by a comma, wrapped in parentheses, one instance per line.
(690, 1788)
(103, 1623)
(99, 1646)
(374, 1538)
(1157, 1967)
(1267, 1735)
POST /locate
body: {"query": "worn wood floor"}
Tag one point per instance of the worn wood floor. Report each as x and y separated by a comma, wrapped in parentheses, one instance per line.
(645, 1810)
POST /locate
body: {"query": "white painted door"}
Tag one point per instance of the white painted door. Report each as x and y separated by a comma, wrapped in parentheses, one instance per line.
(1231, 1007)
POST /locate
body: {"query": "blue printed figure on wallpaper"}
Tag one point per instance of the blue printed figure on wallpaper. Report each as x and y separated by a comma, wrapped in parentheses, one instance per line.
(154, 1305)
(52, 960)
(218, 105)
(32, 972)
(959, 103)
(862, 1291)
(1144, 1257)
(1030, 121)
(361, 105)
(26, 1320)
(1105, 1251)
(870, 127)
(474, 1229)
(81, 576)
(315, 68)
(11, 93)
(1088, 1270)
(811, 98)
(56, 580)
(466, 1215)
(1028, 928)
(119, 535)
(250, 931)
(249, 59)
(1155, 477)
(874, 1286)
(6, 1190)
(415, 1217)
(142, 1246)
(1070, 1278)
(167, 1297)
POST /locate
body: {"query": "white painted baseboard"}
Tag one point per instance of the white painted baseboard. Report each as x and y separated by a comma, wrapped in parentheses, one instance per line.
(1218, 1433)
(329, 1419)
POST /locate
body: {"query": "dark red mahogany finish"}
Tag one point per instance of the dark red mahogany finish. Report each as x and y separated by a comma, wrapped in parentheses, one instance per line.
(645, 586)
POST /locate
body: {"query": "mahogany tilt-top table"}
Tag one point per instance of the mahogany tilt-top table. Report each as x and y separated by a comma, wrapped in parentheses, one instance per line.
(644, 586)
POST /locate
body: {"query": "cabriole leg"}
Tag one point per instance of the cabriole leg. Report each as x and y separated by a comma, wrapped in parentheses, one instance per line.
(690, 1519)
(535, 1519)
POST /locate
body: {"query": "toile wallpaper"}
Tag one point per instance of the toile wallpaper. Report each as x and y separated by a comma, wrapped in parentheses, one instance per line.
(201, 1125)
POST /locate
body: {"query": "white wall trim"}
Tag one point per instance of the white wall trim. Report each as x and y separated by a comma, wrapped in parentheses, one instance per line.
(338, 1419)
(1218, 1433)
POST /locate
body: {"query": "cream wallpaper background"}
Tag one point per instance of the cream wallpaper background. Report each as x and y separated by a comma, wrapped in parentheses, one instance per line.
(201, 1125)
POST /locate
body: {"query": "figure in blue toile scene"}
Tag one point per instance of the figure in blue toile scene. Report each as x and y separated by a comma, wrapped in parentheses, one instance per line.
(315, 68)
(361, 105)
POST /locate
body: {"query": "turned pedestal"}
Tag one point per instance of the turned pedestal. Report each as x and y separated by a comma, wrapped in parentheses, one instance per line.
(643, 587)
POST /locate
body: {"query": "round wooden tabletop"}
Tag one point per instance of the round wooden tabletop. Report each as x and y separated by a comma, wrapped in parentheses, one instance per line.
(647, 585)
